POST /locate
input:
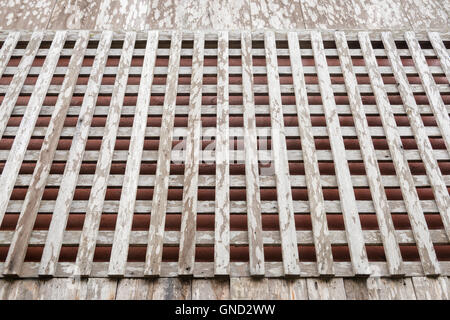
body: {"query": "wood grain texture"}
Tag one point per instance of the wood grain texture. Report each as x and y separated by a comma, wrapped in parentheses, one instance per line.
(98, 189)
(280, 162)
(431, 89)
(373, 173)
(214, 15)
(204, 289)
(427, 288)
(278, 14)
(252, 179)
(312, 175)
(63, 289)
(128, 199)
(380, 14)
(186, 258)
(326, 289)
(222, 146)
(356, 289)
(441, 52)
(7, 49)
(19, 243)
(440, 192)
(74, 14)
(25, 15)
(249, 289)
(133, 289)
(158, 213)
(352, 223)
(101, 289)
(426, 14)
(409, 192)
(118, 15)
(390, 289)
(162, 14)
(25, 131)
(18, 80)
(171, 289)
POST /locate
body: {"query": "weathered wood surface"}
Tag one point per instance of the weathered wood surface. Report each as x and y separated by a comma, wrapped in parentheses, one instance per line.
(98, 187)
(409, 192)
(118, 167)
(322, 242)
(19, 243)
(222, 160)
(280, 162)
(373, 173)
(186, 258)
(158, 213)
(357, 248)
(128, 199)
(252, 178)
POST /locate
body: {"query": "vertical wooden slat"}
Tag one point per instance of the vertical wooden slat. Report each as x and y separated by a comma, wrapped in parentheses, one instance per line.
(128, 199)
(14, 88)
(347, 199)
(23, 135)
(379, 199)
(222, 203)
(279, 152)
(210, 289)
(441, 52)
(101, 289)
(423, 143)
(30, 207)
(7, 49)
(193, 146)
(159, 202)
(322, 242)
(61, 211)
(409, 192)
(431, 89)
(253, 196)
(99, 184)
(326, 289)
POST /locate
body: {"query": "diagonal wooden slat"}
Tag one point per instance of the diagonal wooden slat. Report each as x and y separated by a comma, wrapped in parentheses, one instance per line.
(322, 242)
(252, 179)
(23, 135)
(19, 243)
(160, 191)
(11, 95)
(409, 192)
(441, 52)
(128, 199)
(7, 50)
(85, 253)
(193, 145)
(280, 162)
(61, 211)
(352, 223)
(437, 182)
(431, 89)
(380, 202)
(222, 201)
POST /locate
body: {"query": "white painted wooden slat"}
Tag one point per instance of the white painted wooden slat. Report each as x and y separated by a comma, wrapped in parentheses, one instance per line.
(352, 223)
(158, 213)
(128, 199)
(98, 189)
(7, 49)
(19, 147)
(380, 202)
(252, 179)
(193, 145)
(36, 186)
(431, 89)
(15, 87)
(67, 188)
(423, 143)
(312, 175)
(222, 159)
(441, 52)
(409, 192)
(289, 247)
